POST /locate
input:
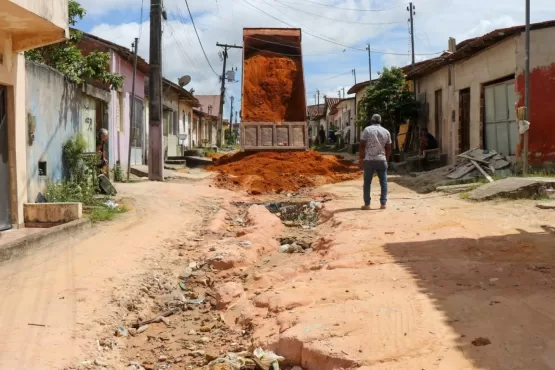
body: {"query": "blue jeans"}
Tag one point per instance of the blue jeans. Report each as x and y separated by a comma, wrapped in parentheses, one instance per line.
(381, 169)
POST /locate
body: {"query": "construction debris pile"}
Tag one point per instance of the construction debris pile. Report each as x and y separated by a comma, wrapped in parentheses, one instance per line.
(472, 166)
(478, 163)
(267, 172)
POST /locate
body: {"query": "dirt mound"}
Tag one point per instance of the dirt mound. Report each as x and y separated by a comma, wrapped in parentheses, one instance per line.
(266, 172)
(269, 89)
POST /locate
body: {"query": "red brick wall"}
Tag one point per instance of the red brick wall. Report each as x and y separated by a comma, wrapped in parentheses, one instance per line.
(541, 138)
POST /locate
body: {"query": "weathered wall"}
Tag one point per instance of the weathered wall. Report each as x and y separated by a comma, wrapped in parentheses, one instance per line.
(493, 63)
(119, 140)
(54, 11)
(61, 110)
(185, 122)
(542, 94)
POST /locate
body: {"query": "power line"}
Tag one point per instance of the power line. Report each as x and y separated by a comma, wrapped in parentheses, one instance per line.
(200, 42)
(337, 20)
(326, 39)
(358, 10)
(339, 75)
(141, 19)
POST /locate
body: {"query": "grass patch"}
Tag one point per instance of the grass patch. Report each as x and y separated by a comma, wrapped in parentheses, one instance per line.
(103, 213)
(465, 195)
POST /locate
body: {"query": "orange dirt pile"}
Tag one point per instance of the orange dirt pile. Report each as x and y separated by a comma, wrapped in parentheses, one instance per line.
(269, 89)
(265, 172)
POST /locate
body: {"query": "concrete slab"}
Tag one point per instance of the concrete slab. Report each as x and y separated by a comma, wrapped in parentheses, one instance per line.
(52, 213)
(513, 187)
(17, 243)
(451, 189)
(183, 173)
(546, 205)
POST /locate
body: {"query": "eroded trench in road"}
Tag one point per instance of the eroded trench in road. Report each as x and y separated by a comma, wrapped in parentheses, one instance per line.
(181, 323)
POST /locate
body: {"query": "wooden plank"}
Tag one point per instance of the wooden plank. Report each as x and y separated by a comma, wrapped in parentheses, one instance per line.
(482, 170)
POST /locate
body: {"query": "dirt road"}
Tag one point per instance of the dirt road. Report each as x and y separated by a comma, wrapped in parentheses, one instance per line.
(69, 287)
(408, 288)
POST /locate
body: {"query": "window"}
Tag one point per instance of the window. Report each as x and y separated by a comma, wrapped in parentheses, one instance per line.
(42, 168)
(119, 112)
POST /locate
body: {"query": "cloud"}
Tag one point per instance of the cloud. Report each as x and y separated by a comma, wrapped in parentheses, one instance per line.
(223, 21)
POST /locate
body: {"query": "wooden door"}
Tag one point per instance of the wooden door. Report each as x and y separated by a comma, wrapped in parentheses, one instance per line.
(464, 130)
(438, 115)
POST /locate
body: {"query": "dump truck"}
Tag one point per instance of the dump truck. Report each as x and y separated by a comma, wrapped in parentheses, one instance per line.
(273, 104)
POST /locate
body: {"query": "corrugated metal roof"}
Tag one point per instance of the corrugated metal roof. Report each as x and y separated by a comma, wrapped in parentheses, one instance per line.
(470, 47)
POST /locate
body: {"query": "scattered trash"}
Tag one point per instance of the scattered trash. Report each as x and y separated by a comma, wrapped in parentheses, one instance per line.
(239, 220)
(194, 301)
(183, 286)
(121, 332)
(156, 319)
(244, 243)
(187, 272)
(102, 363)
(268, 358)
(297, 214)
(291, 248)
(478, 162)
(480, 342)
(198, 240)
(111, 204)
(41, 325)
(193, 265)
(142, 329)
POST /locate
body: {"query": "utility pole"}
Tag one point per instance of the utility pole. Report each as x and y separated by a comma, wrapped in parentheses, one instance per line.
(231, 116)
(355, 75)
(135, 46)
(526, 86)
(369, 64)
(339, 94)
(343, 93)
(222, 91)
(156, 147)
(411, 8)
(318, 94)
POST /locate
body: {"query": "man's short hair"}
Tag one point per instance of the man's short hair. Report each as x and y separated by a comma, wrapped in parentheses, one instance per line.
(103, 131)
(376, 118)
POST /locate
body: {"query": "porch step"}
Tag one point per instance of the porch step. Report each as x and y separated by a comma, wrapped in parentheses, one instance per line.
(175, 158)
(176, 161)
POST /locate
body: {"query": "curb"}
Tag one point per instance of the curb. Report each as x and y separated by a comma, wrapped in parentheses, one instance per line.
(21, 247)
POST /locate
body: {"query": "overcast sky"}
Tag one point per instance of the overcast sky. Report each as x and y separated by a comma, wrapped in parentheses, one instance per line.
(335, 33)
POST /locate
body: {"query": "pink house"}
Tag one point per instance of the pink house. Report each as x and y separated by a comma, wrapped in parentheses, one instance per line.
(118, 112)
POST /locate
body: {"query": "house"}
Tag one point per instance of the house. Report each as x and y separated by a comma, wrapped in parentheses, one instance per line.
(470, 93)
(118, 111)
(68, 110)
(330, 110)
(206, 129)
(177, 115)
(316, 118)
(24, 25)
(344, 119)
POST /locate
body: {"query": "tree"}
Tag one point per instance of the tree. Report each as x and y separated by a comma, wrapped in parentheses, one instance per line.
(389, 97)
(67, 58)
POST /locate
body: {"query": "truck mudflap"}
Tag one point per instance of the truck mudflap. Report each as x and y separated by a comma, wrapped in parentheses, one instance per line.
(274, 136)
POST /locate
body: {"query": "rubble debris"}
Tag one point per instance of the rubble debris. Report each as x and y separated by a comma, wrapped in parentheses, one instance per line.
(453, 189)
(546, 205)
(296, 213)
(268, 358)
(121, 332)
(194, 301)
(142, 329)
(514, 187)
(157, 318)
(477, 162)
(480, 342)
(266, 172)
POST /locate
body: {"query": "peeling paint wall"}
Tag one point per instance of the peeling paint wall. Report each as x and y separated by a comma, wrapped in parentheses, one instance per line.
(542, 94)
(58, 116)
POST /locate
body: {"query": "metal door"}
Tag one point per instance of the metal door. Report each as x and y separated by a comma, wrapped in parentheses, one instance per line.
(464, 133)
(501, 133)
(137, 134)
(5, 222)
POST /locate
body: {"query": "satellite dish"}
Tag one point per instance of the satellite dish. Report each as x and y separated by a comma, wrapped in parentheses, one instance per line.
(184, 80)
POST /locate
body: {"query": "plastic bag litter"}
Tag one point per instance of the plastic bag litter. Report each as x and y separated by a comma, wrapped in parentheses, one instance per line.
(235, 361)
(111, 204)
(523, 126)
(268, 358)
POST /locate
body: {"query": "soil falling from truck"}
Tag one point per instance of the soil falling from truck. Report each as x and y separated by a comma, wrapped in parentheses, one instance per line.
(272, 88)
(266, 172)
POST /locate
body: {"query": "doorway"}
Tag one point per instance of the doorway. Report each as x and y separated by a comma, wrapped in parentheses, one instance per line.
(438, 116)
(464, 128)
(5, 220)
(501, 129)
(137, 133)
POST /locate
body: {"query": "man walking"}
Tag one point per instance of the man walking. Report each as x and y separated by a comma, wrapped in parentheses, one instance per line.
(375, 149)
